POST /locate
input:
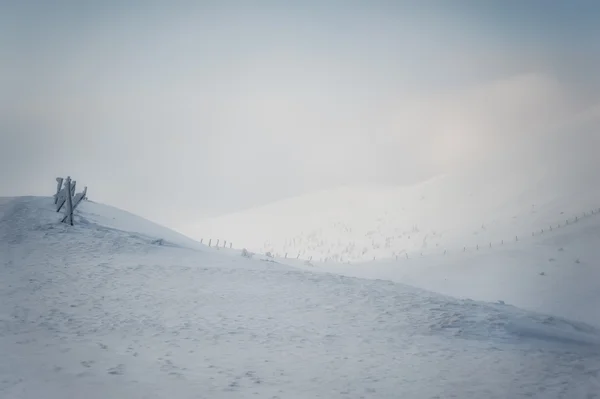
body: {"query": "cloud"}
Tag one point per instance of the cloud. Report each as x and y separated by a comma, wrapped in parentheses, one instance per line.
(237, 107)
(469, 125)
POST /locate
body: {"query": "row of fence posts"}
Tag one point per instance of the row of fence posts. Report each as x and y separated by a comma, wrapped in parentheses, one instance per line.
(65, 197)
(533, 233)
(490, 244)
(217, 245)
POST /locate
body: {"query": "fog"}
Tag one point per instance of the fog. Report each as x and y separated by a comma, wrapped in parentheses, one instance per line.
(180, 111)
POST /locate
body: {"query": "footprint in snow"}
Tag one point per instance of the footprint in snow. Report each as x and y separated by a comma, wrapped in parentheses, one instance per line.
(118, 370)
(87, 363)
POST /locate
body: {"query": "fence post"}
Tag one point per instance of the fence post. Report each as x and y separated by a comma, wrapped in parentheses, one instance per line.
(209, 242)
(59, 181)
(230, 244)
(62, 195)
(217, 244)
(69, 202)
(74, 203)
(224, 243)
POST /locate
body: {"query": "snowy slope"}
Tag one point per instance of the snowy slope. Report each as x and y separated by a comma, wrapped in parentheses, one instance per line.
(101, 311)
(524, 193)
(362, 223)
(556, 272)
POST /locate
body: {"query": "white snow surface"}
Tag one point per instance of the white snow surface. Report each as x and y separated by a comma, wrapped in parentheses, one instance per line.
(557, 272)
(105, 309)
(463, 208)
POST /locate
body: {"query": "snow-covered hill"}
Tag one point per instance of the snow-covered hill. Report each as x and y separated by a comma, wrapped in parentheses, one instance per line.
(446, 213)
(556, 272)
(102, 309)
(539, 183)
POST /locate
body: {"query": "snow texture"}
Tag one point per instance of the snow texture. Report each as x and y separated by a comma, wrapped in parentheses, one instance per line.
(117, 307)
(442, 215)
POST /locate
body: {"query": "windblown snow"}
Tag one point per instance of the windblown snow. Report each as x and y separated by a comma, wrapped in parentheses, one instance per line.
(117, 307)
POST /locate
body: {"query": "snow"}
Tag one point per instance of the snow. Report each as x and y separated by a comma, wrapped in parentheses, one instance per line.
(101, 310)
(555, 273)
(463, 208)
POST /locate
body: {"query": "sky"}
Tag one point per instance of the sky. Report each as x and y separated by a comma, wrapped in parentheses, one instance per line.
(186, 110)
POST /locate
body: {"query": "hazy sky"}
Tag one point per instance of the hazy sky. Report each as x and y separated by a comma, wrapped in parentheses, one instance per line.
(180, 110)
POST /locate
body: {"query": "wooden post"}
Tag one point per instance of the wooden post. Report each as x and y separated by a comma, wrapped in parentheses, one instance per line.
(79, 197)
(69, 203)
(59, 181)
(230, 244)
(62, 196)
(76, 201)
(209, 242)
